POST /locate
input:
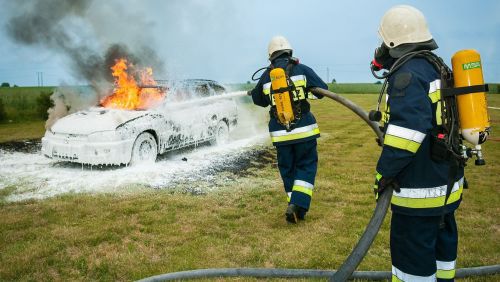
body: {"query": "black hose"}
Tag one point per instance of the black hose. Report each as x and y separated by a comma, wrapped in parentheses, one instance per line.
(346, 270)
(300, 273)
(352, 106)
(262, 273)
(358, 253)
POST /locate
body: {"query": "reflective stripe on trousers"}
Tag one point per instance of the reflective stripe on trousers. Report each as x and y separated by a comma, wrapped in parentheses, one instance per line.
(445, 269)
(303, 187)
(398, 275)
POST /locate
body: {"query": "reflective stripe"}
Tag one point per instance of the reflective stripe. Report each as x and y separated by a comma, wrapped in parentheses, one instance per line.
(445, 265)
(378, 176)
(288, 196)
(427, 197)
(396, 279)
(296, 130)
(405, 133)
(303, 186)
(398, 275)
(403, 138)
(445, 274)
(434, 85)
(300, 83)
(439, 119)
(435, 96)
(297, 133)
(445, 269)
(299, 80)
(401, 143)
(266, 88)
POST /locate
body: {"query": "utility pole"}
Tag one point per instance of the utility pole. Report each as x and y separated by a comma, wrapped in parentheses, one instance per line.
(39, 78)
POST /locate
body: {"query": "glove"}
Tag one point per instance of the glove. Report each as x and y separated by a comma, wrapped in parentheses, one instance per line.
(382, 59)
(381, 184)
(249, 93)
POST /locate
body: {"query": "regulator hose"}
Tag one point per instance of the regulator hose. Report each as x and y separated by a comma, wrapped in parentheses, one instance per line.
(346, 270)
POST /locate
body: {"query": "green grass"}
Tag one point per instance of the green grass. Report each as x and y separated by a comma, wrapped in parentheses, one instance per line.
(21, 104)
(21, 130)
(126, 237)
(354, 88)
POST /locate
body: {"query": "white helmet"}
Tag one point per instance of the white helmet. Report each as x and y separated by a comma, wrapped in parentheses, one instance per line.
(403, 24)
(278, 43)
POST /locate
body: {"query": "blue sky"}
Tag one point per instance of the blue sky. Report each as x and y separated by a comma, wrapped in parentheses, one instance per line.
(226, 40)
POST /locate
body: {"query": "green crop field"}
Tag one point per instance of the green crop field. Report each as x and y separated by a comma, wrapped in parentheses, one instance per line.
(123, 237)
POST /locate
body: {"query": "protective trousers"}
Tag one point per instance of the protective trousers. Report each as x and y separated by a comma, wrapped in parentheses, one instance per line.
(423, 248)
(298, 164)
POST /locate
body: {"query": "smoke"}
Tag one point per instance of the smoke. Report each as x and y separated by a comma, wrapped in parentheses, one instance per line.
(70, 28)
(68, 100)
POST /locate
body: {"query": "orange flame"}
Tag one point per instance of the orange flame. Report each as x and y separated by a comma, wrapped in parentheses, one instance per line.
(127, 94)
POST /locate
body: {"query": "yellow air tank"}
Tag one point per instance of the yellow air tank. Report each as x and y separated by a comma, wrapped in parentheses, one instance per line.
(282, 100)
(472, 107)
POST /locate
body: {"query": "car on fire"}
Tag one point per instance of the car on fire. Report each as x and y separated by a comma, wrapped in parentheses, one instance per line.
(193, 112)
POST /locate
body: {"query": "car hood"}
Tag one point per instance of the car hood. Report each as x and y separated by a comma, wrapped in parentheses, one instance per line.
(94, 120)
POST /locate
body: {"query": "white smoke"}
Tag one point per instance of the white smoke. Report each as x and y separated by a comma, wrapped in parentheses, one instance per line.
(68, 100)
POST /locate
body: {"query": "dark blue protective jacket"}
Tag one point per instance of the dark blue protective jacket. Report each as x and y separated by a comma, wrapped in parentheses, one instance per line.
(304, 78)
(412, 106)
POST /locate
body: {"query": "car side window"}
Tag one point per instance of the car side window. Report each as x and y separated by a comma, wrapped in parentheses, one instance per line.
(203, 89)
(217, 88)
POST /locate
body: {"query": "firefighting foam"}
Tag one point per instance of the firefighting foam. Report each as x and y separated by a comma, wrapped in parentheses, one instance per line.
(128, 94)
(37, 177)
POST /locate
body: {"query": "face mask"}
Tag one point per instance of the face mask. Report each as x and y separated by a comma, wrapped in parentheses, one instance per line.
(382, 59)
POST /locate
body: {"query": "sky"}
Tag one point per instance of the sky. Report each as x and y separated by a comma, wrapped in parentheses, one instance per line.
(226, 40)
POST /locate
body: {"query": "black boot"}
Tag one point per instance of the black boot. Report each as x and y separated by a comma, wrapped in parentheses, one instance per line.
(291, 213)
(301, 214)
(295, 213)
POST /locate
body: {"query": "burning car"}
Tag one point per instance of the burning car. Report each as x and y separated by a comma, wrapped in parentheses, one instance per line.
(123, 131)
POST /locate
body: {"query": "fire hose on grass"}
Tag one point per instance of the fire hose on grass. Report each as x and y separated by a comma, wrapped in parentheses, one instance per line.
(346, 270)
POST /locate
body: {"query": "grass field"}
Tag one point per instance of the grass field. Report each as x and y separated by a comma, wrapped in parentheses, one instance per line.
(125, 237)
(23, 103)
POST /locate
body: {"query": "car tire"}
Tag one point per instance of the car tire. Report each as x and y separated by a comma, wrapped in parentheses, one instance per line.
(144, 150)
(221, 134)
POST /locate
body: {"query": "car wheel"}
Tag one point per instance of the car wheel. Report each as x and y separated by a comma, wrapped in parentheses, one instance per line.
(145, 149)
(221, 134)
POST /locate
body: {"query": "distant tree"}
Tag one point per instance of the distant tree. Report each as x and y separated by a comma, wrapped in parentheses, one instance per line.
(3, 115)
(334, 81)
(378, 82)
(15, 85)
(5, 84)
(248, 81)
(43, 103)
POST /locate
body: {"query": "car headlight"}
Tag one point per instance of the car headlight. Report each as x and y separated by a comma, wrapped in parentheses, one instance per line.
(103, 136)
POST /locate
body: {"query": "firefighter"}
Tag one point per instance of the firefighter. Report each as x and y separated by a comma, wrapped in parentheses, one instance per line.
(295, 142)
(423, 238)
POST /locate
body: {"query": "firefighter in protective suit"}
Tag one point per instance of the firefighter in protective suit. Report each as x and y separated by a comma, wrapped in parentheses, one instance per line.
(423, 238)
(296, 145)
